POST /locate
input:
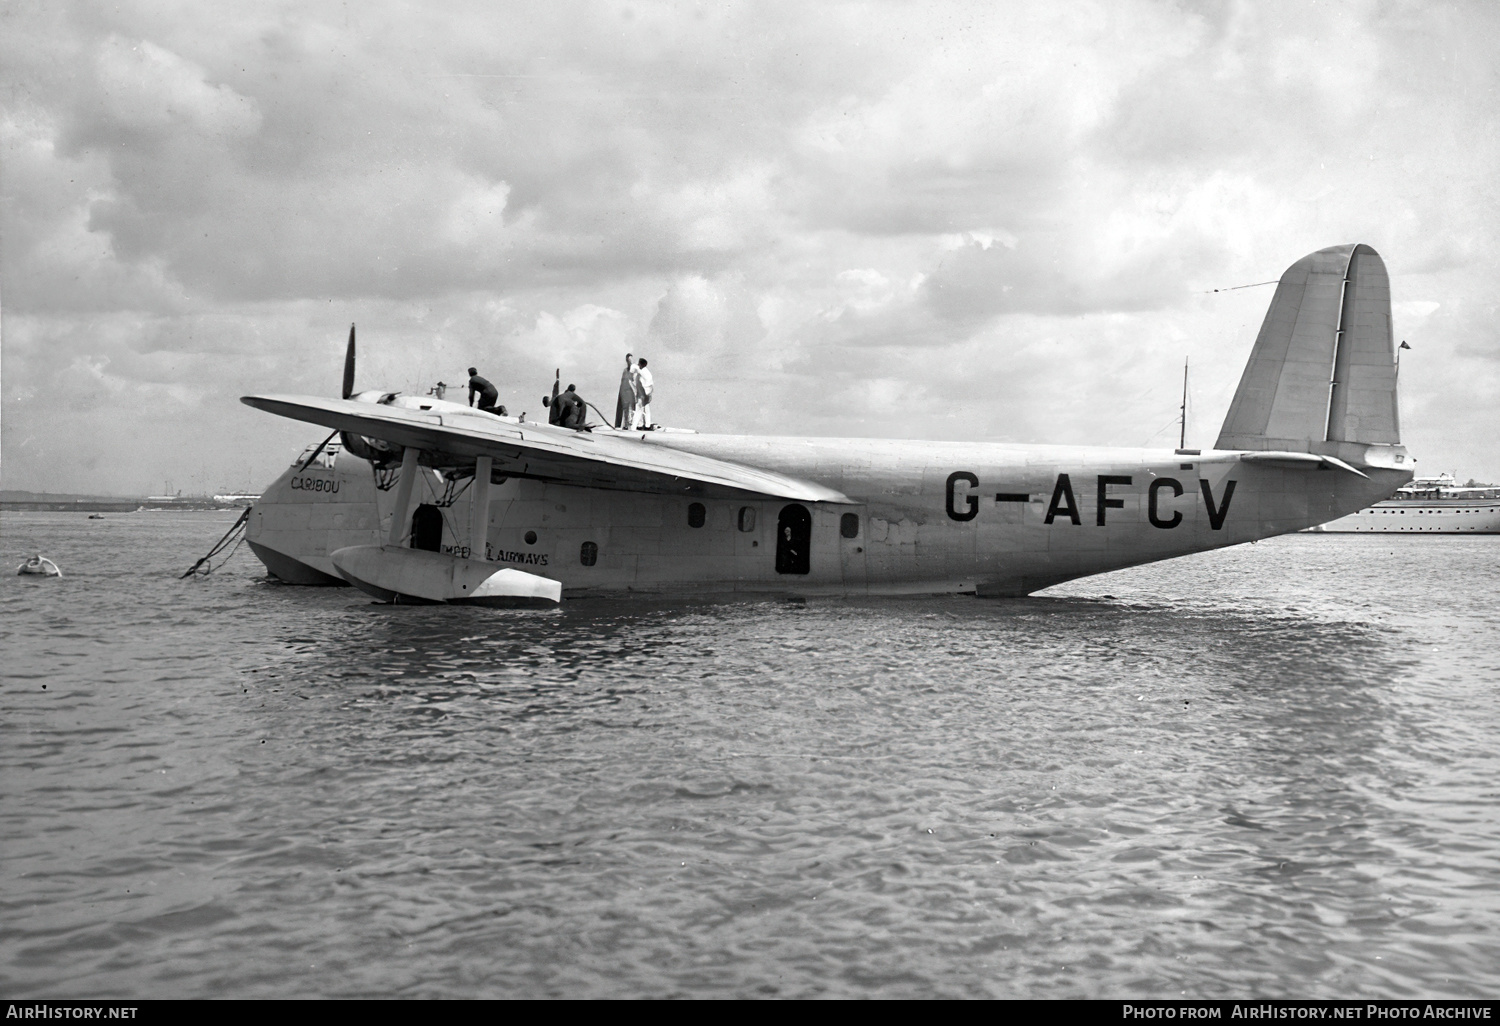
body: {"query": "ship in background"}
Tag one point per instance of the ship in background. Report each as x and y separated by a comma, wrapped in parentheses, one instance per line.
(1427, 505)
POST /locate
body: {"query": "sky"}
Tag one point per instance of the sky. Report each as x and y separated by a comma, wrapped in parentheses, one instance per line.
(1000, 221)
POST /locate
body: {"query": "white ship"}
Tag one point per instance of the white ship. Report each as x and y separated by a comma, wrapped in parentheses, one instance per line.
(1428, 505)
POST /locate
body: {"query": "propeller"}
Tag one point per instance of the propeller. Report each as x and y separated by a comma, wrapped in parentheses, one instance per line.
(551, 404)
(354, 445)
(349, 365)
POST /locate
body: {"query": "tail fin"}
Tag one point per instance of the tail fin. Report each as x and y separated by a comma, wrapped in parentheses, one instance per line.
(1322, 375)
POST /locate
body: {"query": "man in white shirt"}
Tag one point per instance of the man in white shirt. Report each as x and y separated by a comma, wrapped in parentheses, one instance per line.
(644, 388)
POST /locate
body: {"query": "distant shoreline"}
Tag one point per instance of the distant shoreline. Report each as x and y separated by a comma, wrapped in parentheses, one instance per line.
(116, 505)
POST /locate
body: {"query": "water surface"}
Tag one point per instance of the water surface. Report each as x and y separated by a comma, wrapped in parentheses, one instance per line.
(1267, 771)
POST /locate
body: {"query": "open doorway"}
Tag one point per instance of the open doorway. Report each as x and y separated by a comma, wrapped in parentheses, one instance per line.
(427, 528)
(793, 540)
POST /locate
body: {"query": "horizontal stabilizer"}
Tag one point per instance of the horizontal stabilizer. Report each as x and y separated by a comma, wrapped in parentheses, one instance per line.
(545, 452)
(1299, 461)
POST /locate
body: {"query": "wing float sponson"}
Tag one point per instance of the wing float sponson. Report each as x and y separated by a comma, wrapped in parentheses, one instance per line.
(544, 452)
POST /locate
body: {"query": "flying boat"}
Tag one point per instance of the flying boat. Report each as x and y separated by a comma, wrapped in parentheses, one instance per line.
(418, 499)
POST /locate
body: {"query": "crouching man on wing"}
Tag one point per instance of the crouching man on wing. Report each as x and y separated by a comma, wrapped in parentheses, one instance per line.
(488, 394)
(567, 410)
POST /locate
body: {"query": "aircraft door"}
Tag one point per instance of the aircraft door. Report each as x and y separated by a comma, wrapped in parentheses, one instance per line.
(793, 540)
(427, 528)
(852, 549)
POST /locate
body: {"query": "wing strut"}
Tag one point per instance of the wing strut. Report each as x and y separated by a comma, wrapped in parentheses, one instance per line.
(403, 494)
(479, 507)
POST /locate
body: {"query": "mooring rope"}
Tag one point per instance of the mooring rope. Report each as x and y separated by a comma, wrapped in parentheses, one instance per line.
(203, 567)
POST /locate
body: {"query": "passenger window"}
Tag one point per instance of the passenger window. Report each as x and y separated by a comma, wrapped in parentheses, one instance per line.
(747, 518)
(588, 554)
(696, 514)
(849, 525)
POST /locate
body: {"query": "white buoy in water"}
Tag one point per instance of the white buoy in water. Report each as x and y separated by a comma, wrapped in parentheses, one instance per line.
(39, 565)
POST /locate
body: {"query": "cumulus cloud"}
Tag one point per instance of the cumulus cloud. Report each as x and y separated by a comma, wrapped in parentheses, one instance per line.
(946, 220)
(704, 318)
(150, 90)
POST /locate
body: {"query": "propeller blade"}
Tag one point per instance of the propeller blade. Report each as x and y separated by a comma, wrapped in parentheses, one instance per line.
(349, 365)
(308, 462)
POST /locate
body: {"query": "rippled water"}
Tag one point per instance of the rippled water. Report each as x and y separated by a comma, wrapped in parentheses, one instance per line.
(1269, 771)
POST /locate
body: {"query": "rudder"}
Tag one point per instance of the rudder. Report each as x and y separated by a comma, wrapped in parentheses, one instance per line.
(1322, 375)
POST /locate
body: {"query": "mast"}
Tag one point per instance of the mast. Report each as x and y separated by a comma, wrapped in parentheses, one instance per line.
(1182, 436)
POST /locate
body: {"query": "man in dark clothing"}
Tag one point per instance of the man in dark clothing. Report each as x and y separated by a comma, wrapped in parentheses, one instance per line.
(567, 409)
(575, 413)
(489, 395)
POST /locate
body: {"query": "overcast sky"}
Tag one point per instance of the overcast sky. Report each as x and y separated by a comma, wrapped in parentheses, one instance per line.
(990, 220)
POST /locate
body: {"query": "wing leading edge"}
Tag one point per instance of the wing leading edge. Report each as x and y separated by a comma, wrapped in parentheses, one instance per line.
(544, 452)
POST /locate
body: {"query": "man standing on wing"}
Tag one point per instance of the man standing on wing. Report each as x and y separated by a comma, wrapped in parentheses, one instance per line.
(625, 404)
(644, 388)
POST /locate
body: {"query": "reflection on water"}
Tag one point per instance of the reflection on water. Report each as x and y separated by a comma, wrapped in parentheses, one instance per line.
(1266, 771)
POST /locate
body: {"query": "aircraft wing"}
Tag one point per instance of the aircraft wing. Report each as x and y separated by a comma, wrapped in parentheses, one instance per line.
(544, 452)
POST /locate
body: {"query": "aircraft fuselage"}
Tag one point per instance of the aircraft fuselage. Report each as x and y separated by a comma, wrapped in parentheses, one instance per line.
(925, 517)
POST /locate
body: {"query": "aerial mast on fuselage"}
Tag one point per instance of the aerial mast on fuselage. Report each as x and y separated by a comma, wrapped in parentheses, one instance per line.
(1182, 434)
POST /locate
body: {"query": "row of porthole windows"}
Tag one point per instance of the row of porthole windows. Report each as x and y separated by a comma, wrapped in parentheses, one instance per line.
(698, 516)
(588, 552)
(1471, 527)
